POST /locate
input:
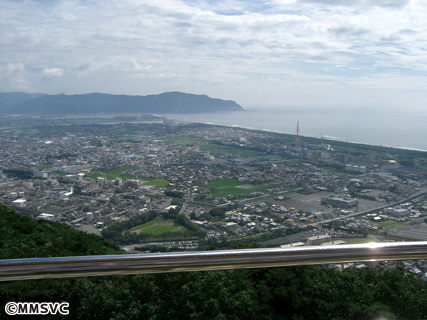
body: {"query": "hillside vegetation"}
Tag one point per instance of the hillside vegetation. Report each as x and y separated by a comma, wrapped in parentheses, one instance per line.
(22, 237)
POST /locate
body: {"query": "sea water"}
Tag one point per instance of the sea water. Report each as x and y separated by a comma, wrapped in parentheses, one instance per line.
(400, 129)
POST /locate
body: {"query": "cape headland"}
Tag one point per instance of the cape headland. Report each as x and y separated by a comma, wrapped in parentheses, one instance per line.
(99, 103)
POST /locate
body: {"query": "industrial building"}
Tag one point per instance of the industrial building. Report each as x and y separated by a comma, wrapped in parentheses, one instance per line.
(399, 213)
(338, 202)
(318, 240)
(355, 168)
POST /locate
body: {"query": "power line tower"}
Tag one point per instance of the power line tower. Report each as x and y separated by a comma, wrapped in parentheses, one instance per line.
(297, 135)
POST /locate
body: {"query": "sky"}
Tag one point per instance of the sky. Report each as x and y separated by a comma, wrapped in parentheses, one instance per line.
(287, 54)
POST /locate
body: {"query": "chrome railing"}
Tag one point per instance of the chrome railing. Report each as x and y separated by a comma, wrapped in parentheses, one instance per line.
(82, 266)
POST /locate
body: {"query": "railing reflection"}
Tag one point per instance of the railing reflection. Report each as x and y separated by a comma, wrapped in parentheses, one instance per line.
(82, 266)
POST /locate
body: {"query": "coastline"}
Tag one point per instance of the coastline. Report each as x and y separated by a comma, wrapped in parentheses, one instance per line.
(391, 132)
(326, 138)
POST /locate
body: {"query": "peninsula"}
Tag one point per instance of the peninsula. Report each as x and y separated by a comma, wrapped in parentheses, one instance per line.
(99, 103)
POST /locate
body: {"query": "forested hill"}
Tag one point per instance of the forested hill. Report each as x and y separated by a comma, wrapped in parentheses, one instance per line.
(309, 292)
(8, 100)
(96, 103)
(23, 237)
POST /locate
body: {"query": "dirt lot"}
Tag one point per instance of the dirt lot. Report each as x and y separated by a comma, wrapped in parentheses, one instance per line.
(312, 201)
(300, 201)
(90, 229)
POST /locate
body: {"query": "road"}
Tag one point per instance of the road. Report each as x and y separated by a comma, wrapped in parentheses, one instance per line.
(184, 205)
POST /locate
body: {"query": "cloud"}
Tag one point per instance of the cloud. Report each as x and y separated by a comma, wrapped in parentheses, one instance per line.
(407, 32)
(82, 67)
(13, 77)
(142, 47)
(358, 3)
(388, 3)
(390, 38)
(49, 73)
(141, 66)
(349, 31)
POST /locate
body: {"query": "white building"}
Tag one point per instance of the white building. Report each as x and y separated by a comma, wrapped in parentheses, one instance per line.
(317, 240)
(20, 203)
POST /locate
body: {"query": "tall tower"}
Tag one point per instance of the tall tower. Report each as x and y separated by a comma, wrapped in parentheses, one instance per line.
(297, 135)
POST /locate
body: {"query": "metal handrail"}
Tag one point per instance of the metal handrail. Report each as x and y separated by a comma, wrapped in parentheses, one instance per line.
(82, 266)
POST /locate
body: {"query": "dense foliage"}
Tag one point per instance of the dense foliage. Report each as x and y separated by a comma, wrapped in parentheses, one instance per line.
(305, 292)
(21, 174)
(22, 237)
(218, 212)
(312, 292)
(174, 194)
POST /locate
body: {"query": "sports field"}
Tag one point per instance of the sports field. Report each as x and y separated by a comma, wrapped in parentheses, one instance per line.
(112, 174)
(235, 188)
(160, 183)
(157, 227)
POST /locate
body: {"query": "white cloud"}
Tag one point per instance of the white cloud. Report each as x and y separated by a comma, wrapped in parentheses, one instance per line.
(49, 73)
(13, 77)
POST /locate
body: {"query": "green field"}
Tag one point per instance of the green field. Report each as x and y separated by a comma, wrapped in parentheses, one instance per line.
(388, 224)
(161, 183)
(215, 149)
(235, 188)
(182, 142)
(161, 229)
(44, 167)
(112, 174)
(148, 224)
(59, 173)
(157, 227)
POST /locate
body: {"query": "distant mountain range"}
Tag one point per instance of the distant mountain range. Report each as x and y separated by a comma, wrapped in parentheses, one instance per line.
(99, 103)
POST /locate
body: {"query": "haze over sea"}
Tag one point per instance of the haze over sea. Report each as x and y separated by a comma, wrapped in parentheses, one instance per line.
(395, 128)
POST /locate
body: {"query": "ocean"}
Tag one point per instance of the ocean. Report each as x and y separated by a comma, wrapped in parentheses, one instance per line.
(397, 129)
